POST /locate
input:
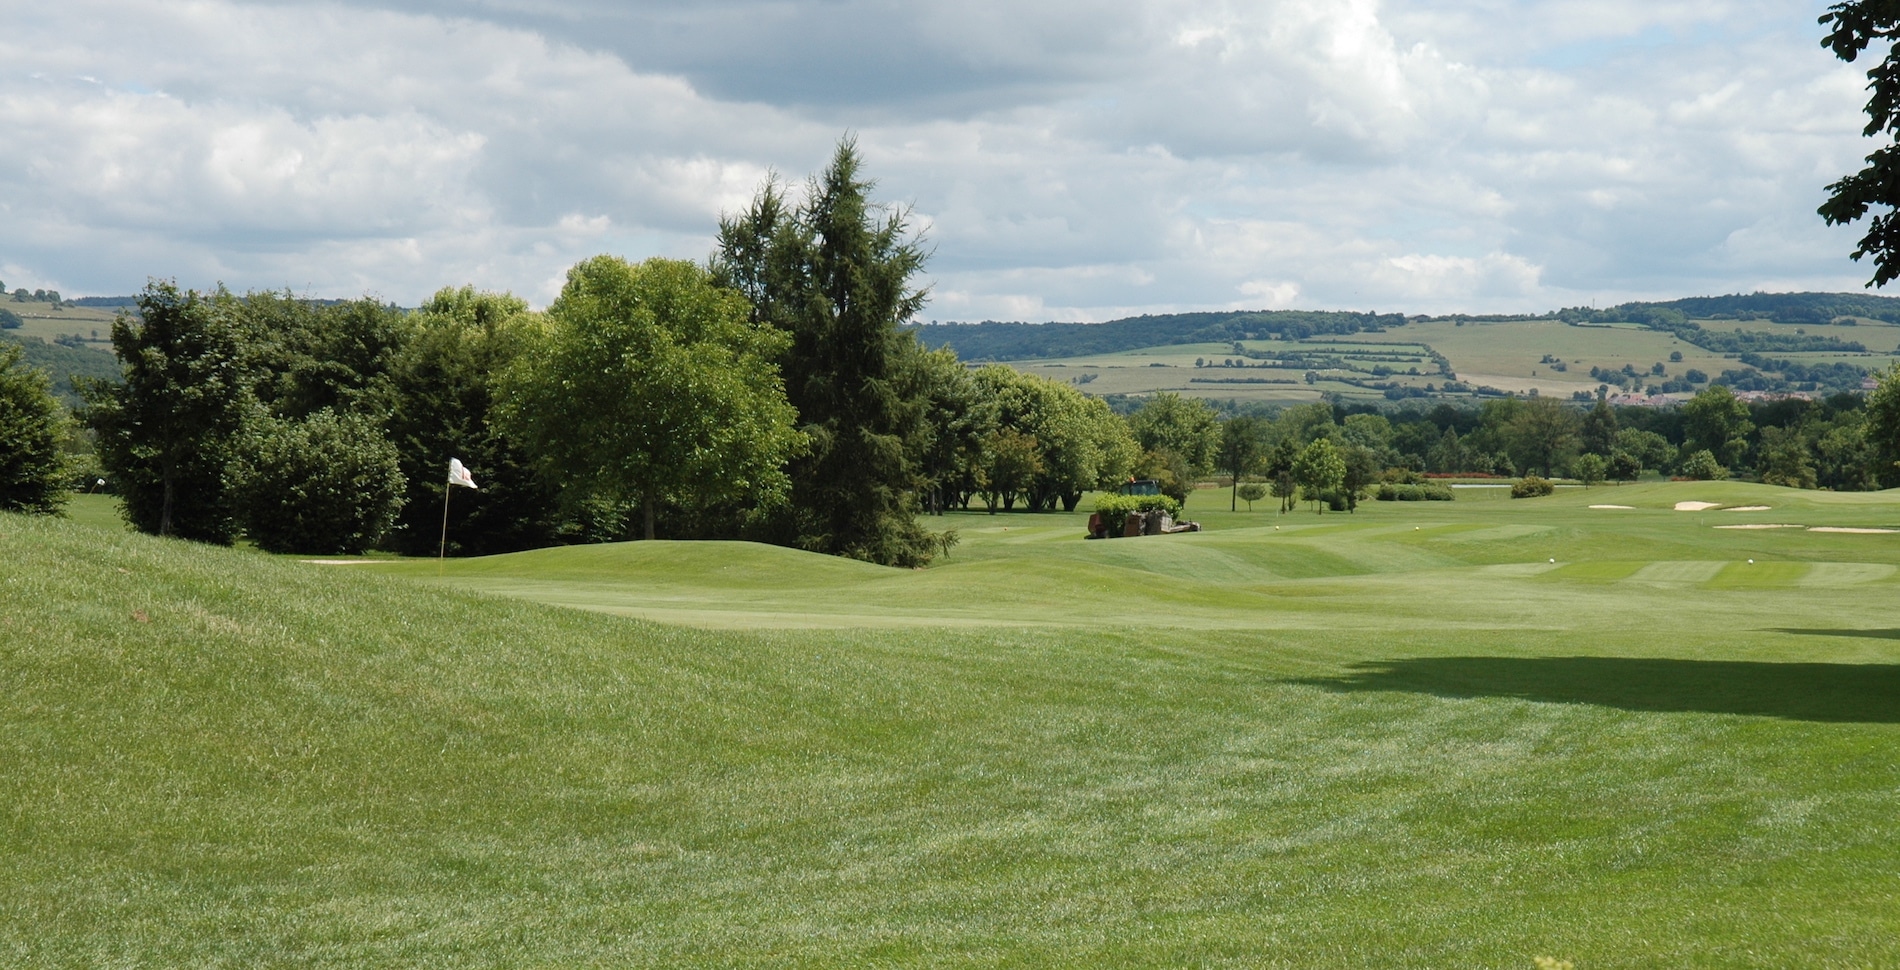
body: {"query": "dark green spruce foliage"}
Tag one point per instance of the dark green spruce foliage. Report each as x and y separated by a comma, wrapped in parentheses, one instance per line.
(836, 274)
(164, 434)
(32, 466)
(443, 408)
(326, 484)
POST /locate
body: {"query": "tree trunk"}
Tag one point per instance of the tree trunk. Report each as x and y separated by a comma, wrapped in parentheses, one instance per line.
(646, 505)
(165, 508)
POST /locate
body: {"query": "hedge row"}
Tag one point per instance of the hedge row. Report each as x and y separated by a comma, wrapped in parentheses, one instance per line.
(1413, 493)
(1115, 508)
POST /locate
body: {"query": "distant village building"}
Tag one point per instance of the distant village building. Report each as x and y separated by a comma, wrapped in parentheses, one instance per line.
(1765, 396)
(1642, 400)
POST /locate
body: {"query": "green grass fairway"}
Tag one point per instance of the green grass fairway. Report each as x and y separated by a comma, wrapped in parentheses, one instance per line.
(1402, 738)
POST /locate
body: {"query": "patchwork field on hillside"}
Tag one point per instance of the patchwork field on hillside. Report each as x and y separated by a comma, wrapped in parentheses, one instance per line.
(1423, 735)
(1506, 355)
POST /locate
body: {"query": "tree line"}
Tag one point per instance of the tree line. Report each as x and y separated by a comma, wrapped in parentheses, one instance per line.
(772, 393)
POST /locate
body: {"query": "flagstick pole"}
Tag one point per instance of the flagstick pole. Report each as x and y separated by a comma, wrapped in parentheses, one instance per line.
(443, 550)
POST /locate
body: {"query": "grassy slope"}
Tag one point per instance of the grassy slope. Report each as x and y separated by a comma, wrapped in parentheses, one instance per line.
(1346, 743)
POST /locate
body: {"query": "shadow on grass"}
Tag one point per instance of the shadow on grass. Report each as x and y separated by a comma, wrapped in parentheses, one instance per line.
(1854, 693)
(1872, 634)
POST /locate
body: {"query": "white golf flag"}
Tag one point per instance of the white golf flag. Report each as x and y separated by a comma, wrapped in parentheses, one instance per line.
(458, 475)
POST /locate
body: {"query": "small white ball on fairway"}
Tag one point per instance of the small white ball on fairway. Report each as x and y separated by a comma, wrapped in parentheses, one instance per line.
(1553, 560)
(1751, 562)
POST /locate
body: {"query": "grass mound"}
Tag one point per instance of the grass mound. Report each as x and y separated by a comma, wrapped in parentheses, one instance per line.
(1421, 752)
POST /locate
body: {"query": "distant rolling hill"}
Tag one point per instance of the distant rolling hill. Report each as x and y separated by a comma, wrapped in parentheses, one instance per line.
(992, 340)
(62, 363)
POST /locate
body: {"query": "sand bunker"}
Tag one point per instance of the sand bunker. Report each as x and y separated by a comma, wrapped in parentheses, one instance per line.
(346, 562)
(1749, 508)
(1762, 525)
(1837, 528)
(1696, 506)
(1612, 506)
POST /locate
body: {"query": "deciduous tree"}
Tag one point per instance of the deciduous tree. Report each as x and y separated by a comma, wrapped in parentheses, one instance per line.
(1716, 421)
(1319, 471)
(1187, 427)
(1242, 446)
(1853, 26)
(1599, 428)
(165, 432)
(651, 385)
(443, 385)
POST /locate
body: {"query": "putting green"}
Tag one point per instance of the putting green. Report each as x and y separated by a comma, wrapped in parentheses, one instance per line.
(1483, 560)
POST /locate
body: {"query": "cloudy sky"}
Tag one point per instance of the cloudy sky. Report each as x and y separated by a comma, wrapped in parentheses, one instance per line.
(1066, 160)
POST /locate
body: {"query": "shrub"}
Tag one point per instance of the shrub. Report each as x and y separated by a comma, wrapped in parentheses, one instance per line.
(1703, 467)
(1427, 492)
(10, 320)
(1591, 469)
(1251, 492)
(326, 485)
(1115, 508)
(1530, 486)
(32, 468)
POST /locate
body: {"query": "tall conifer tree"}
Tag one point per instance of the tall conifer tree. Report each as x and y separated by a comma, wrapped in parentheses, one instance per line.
(835, 273)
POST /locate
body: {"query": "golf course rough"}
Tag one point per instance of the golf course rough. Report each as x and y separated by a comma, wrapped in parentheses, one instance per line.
(1401, 737)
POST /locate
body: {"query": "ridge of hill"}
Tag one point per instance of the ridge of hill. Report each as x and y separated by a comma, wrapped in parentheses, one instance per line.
(992, 340)
(63, 363)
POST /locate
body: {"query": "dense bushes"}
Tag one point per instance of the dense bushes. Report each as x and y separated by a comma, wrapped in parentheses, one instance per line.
(327, 485)
(1530, 486)
(1428, 492)
(1703, 466)
(1114, 508)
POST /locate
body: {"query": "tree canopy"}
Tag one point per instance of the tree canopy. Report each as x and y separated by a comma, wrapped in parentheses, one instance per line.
(165, 432)
(1180, 426)
(650, 384)
(443, 405)
(1853, 26)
